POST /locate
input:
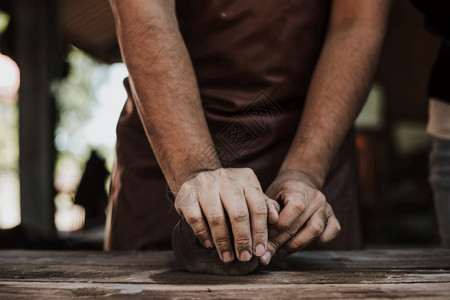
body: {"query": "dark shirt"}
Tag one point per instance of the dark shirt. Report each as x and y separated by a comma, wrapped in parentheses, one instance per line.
(253, 62)
(437, 22)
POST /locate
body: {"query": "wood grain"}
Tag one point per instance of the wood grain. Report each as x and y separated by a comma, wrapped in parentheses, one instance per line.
(157, 275)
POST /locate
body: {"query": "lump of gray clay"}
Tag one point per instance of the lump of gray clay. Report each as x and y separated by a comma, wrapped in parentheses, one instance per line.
(196, 258)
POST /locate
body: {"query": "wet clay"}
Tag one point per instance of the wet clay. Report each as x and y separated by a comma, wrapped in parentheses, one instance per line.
(194, 257)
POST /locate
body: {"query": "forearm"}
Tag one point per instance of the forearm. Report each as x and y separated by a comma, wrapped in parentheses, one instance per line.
(165, 89)
(338, 89)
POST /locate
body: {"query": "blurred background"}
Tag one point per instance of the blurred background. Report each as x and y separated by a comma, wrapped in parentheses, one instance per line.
(57, 131)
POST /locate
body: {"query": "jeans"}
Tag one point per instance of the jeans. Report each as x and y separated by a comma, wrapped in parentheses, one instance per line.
(440, 183)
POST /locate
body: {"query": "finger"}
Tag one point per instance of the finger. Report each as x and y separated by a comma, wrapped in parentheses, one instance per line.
(294, 207)
(272, 247)
(313, 229)
(289, 229)
(273, 208)
(215, 216)
(279, 238)
(195, 219)
(256, 202)
(187, 206)
(298, 210)
(235, 205)
(332, 229)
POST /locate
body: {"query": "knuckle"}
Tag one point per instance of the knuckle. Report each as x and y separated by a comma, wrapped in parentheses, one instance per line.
(202, 233)
(249, 173)
(274, 244)
(240, 216)
(296, 201)
(216, 220)
(294, 245)
(260, 211)
(222, 242)
(241, 242)
(194, 220)
(259, 234)
(288, 197)
(299, 206)
(283, 225)
(316, 228)
(201, 176)
(289, 228)
(337, 229)
(320, 197)
(205, 177)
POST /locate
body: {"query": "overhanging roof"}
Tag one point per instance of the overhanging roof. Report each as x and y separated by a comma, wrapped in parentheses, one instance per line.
(89, 26)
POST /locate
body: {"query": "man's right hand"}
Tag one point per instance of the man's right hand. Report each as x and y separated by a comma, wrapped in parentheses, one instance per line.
(209, 198)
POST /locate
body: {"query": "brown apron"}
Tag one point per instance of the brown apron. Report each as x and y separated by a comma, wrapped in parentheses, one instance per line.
(253, 61)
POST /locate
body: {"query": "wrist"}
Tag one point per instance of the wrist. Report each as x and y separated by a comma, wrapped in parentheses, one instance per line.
(287, 174)
(313, 164)
(186, 175)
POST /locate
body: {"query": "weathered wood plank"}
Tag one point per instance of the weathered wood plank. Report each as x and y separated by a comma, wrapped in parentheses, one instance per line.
(153, 258)
(223, 291)
(156, 275)
(367, 259)
(145, 275)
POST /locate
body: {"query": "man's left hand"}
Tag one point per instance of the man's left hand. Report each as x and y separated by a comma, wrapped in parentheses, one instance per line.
(305, 216)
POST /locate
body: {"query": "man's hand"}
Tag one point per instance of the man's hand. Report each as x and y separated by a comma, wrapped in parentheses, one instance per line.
(338, 89)
(305, 216)
(211, 198)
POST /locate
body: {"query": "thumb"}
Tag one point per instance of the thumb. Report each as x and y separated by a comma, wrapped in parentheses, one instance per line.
(273, 210)
(272, 247)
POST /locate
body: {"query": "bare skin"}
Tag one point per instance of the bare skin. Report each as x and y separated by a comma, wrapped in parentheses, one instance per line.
(196, 257)
(163, 82)
(233, 193)
(339, 87)
(168, 101)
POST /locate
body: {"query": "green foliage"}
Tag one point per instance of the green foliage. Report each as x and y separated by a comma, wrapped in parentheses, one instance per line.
(4, 21)
(75, 101)
(74, 95)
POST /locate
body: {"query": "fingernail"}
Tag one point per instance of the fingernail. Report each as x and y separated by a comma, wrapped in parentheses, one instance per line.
(227, 257)
(282, 252)
(259, 250)
(245, 255)
(266, 258)
(208, 244)
(273, 233)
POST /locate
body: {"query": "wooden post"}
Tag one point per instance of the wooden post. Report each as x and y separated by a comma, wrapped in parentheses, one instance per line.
(36, 44)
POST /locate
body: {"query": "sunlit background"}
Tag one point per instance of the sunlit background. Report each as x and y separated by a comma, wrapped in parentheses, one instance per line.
(9, 140)
(393, 147)
(89, 100)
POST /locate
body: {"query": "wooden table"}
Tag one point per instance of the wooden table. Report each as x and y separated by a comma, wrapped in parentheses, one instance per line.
(156, 275)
